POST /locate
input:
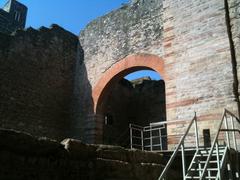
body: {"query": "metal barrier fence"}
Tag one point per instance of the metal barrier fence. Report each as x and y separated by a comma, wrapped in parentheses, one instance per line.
(147, 138)
(155, 136)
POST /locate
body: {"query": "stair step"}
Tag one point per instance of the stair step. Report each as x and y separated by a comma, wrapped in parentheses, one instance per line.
(208, 169)
(214, 152)
(197, 177)
(208, 148)
(203, 162)
(206, 154)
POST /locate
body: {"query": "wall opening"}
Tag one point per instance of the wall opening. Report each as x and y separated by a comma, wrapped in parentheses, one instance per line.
(137, 98)
(131, 91)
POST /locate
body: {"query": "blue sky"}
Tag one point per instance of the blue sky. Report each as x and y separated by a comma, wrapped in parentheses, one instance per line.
(73, 15)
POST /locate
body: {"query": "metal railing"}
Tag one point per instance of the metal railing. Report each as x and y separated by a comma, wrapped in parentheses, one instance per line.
(156, 137)
(148, 137)
(231, 141)
(181, 147)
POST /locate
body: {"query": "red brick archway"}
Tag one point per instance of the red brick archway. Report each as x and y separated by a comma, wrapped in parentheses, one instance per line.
(121, 69)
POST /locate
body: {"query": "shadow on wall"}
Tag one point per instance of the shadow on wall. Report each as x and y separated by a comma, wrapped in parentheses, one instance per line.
(83, 112)
(36, 81)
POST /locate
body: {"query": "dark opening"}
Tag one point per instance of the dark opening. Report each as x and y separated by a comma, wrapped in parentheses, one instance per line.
(108, 119)
(136, 100)
(206, 137)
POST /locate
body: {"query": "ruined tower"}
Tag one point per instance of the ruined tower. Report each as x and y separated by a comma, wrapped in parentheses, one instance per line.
(12, 16)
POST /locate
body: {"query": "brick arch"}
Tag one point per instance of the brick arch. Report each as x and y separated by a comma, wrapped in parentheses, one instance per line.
(121, 69)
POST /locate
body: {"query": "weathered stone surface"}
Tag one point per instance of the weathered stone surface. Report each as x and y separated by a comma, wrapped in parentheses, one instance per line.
(127, 102)
(26, 144)
(28, 157)
(12, 17)
(41, 70)
(132, 29)
(79, 150)
(134, 156)
(36, 75)
(191, 38)
(234, 14)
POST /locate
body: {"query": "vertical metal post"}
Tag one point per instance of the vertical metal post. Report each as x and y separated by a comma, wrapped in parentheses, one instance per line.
(227, 133)
(151, 139)
(233, 133)
(183, 161)
(209, 173)
(196, 132)
(131, 143)
(218, 161)
(200, 169)
(197, 141)
(142, 139)
(160, 138)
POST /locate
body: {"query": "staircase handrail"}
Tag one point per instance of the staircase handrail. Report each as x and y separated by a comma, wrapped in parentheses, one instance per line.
(180, 144)
(215, 142)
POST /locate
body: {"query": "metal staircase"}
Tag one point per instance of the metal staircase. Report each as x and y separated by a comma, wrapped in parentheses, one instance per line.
(196, 167)
(210, 162)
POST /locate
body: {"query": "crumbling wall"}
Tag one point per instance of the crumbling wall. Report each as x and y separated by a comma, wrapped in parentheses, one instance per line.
(26, 157)
(36, 81)
(9, 20)
(198, 62)
(133, 28)
(190, 36)
(116, 111)
(141, 102)
(233, 22)
(148, 102)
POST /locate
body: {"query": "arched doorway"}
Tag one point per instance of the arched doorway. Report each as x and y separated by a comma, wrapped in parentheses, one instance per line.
(116, 102)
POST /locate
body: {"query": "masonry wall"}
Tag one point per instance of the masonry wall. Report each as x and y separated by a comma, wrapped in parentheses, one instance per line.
(234, 21)
(131, 29)
(198, 62)
(190, 36)
(140, 103)
(9, 20)
(36, 81)
(26, 157)
(116, 111)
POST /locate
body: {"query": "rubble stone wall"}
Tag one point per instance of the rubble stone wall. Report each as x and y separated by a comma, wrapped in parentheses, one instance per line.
(26, 157)
(36, 81)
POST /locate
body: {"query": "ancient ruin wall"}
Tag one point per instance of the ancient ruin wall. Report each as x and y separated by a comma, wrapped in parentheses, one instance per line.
(233, 22)
(132, 29)
(197, 61)
(26, 157)
(190, 36)
(140, 102)
(36, 74)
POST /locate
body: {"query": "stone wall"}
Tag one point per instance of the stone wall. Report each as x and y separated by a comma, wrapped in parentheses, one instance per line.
(190, 36)
(37, 73)
(234, 27)
(12, 17)
(141, 102)
(116, 111)
(42, 71)
(131, 29)
(147, 103)
(26, 157)
(198, 62)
